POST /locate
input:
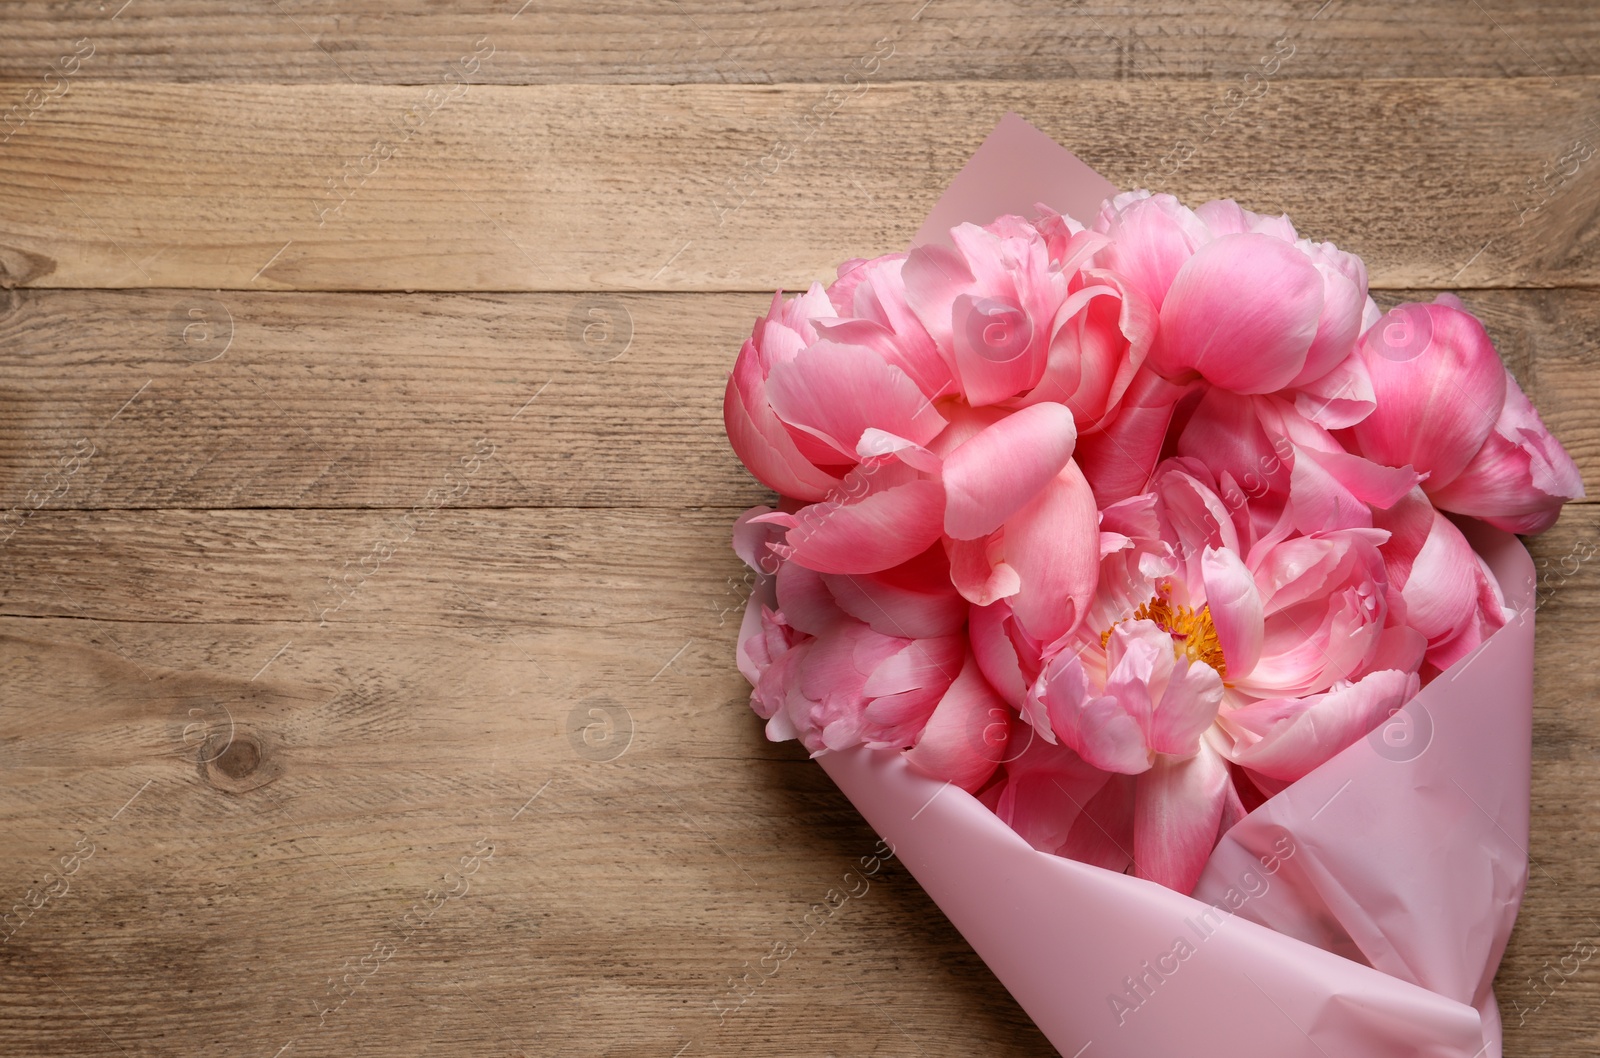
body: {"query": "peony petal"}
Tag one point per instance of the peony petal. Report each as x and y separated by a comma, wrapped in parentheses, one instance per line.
(843, 732)
(914, 599)
(881, 530)
(1439, 386)
(838, 665)
(1442, 590)
(1344, 296)
(999, 349)
(1399, 647)
(1113, 339)
(779, 728)
(1053, 543)
(1312, 730)
(882, 300)
(1242, 312)
(1139, 662)
(1046, 788)
(1152, 236)
(1371, 483)
(751, 536)
(1187, 708)
(1309, 647)
(1099, 339)
(1119, 459)
(1225, 433)
(836, 392)
(876, 445)
(1236, 609)
(1319, 501)
(1178, 807)
(763, 640)
(997, 658)
(1098, 727)
(806, 603)
(935, 275)
(1339, 399)
(1488, 614)
(896, 720)
(1302, 567)
(777, 697)
(1408, 524)
(965, 738)
(762, 443)
(1197, 516)
(1102, 834)
(1520, 477)
(1224, 216)
(997, 472)
(922, 663)
(976, 572)
(1330, 491)
(851, 274)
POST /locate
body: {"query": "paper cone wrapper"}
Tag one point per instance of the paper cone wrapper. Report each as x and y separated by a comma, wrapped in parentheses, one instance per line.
(1360, 913)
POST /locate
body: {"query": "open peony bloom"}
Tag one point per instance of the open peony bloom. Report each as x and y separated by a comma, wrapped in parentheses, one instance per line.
(1203, 650)
(1124, 529)
(936, 398)
(1448, 407)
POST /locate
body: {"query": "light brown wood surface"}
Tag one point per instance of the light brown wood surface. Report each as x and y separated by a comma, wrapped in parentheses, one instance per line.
(1438, 183)
(576, 42)
(337, 553)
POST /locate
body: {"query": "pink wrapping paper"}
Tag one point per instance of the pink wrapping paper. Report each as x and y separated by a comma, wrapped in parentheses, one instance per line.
(1361, 912)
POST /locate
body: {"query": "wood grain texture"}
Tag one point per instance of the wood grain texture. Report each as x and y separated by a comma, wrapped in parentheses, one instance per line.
(572, 399)
(335, 554)
(763, 43)
(1436, 183)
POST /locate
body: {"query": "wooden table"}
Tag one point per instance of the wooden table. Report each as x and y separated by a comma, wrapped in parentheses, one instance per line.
(368, 608)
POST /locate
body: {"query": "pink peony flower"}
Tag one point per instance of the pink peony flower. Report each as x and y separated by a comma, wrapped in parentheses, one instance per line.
(1449, 408)
(1203, 648)
(1520, 477)
(770, 449)
(838, 661)
(1244, 302)
(1019, 318)
(937, 398)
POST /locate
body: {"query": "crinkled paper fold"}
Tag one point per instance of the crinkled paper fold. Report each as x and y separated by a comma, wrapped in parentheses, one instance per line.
(1360, 913)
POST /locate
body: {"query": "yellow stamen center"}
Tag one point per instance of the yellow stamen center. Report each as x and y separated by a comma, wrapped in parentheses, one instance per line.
(1193, 634)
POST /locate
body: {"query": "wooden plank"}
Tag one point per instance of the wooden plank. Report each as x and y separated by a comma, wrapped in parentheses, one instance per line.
(356, 567)
(266, 800)
(121, 399)
(660, 590)
(701, 41)
(653, 576)
(580, 598)
(336, 400)
(1452, 183)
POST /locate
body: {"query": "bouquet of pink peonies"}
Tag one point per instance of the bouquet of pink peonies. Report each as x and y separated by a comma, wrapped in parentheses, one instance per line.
(1138, 531)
